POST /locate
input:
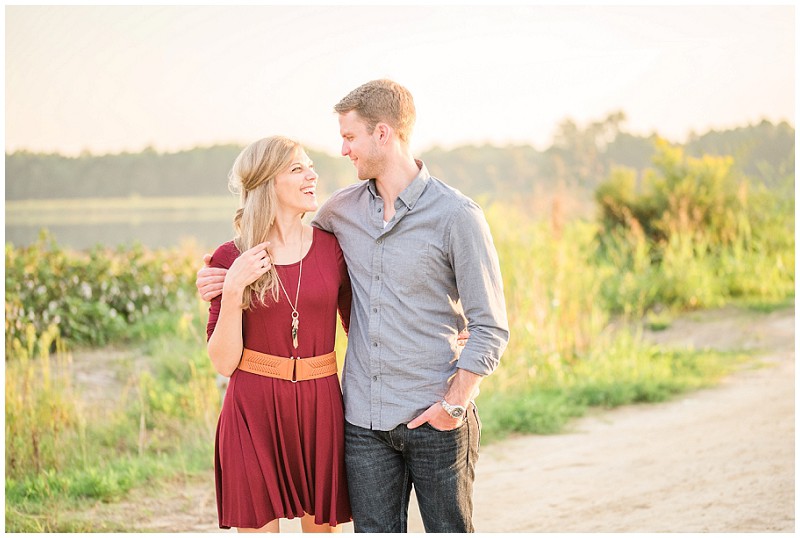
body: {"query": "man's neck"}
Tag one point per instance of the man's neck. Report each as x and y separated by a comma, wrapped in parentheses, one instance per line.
(396, 177)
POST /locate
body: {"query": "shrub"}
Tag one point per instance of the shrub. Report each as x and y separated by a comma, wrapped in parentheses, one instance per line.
(90, 298)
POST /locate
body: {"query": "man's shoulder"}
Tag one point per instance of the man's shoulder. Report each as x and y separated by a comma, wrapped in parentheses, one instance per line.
(449, 198)
(350, 191)
(342, 198)
(324, 237)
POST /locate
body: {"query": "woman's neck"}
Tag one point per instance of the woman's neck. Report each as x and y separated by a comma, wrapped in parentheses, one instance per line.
(289, 241)
(286, 231)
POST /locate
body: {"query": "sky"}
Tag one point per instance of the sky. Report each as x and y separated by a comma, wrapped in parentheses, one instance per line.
(107, 79)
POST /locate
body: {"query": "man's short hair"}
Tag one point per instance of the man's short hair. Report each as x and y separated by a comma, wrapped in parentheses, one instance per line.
(384, 101)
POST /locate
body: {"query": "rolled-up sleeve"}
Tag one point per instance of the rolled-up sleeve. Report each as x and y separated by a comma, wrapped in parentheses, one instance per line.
(480, 288)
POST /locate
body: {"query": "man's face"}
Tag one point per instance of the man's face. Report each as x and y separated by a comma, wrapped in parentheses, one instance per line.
(360, 145)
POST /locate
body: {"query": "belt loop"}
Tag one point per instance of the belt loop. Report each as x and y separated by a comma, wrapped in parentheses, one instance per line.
(294, 369)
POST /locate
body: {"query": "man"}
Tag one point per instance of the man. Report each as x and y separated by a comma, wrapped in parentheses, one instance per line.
(422, 266)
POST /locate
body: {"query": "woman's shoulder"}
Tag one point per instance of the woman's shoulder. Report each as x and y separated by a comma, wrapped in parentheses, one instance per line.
(224, 255)
(322, 235)
(325, 239)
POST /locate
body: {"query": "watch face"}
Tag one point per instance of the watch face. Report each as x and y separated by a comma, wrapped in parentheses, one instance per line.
(455, 411)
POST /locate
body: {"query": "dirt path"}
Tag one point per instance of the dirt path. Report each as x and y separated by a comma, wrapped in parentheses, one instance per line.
(716, 460)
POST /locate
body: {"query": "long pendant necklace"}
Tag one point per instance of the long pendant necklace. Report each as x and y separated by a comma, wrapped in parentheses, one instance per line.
(295, 315)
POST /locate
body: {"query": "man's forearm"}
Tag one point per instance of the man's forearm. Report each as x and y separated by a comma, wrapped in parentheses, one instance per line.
(463, 388)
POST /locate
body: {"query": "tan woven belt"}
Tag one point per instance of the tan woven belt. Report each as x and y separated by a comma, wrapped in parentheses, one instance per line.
(288, 368)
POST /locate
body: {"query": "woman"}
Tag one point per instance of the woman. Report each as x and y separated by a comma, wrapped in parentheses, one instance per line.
(279, 443)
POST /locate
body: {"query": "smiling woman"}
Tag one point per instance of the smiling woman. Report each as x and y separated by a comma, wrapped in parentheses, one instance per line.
(284, 284)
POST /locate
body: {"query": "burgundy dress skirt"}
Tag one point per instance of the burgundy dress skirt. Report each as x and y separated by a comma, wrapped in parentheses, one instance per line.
(279, 450)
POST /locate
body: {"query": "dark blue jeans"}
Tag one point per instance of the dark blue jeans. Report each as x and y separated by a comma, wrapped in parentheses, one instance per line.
(382, 467)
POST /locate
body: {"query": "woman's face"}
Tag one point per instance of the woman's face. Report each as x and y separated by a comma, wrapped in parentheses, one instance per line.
(296, 186)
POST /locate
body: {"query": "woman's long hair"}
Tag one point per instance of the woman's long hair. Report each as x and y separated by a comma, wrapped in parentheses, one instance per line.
(253, 178)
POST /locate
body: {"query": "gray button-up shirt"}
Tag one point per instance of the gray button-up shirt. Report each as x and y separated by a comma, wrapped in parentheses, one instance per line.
(417, 282)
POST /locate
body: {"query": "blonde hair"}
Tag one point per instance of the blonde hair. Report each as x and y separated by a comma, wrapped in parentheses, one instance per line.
(385, 101)
(252, 177)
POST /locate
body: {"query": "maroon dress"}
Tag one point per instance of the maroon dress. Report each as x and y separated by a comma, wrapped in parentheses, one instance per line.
(280, 445)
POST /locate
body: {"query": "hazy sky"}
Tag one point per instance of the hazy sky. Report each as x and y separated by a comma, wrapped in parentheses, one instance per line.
(112, 79)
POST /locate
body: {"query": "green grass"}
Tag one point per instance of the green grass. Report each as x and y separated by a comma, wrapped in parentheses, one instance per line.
(108, 480)
(766, 306)
(64, 453)
(54, 517)
(658, 321)
(49, 502)
(626, 371)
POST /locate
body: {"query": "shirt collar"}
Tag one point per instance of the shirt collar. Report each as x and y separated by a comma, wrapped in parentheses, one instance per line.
(410, 194)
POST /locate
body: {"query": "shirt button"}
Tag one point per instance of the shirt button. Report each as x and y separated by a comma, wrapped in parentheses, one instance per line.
(374, 378)
(380, 209)
(374, 344)
(377, 277)
(374, 309)
(379, 241)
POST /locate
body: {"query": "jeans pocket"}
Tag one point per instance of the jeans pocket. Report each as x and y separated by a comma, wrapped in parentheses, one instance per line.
(460, 425)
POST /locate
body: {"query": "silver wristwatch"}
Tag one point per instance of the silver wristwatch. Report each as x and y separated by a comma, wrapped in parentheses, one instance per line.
(455, 411)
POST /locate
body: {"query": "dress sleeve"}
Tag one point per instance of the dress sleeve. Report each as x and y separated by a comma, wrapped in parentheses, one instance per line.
(345, 290)
(223, 258)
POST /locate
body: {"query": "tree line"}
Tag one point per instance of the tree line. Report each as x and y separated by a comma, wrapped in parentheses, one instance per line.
(579, 159)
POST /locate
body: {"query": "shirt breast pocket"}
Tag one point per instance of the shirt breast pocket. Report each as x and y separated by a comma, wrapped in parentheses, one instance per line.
(408, 264)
